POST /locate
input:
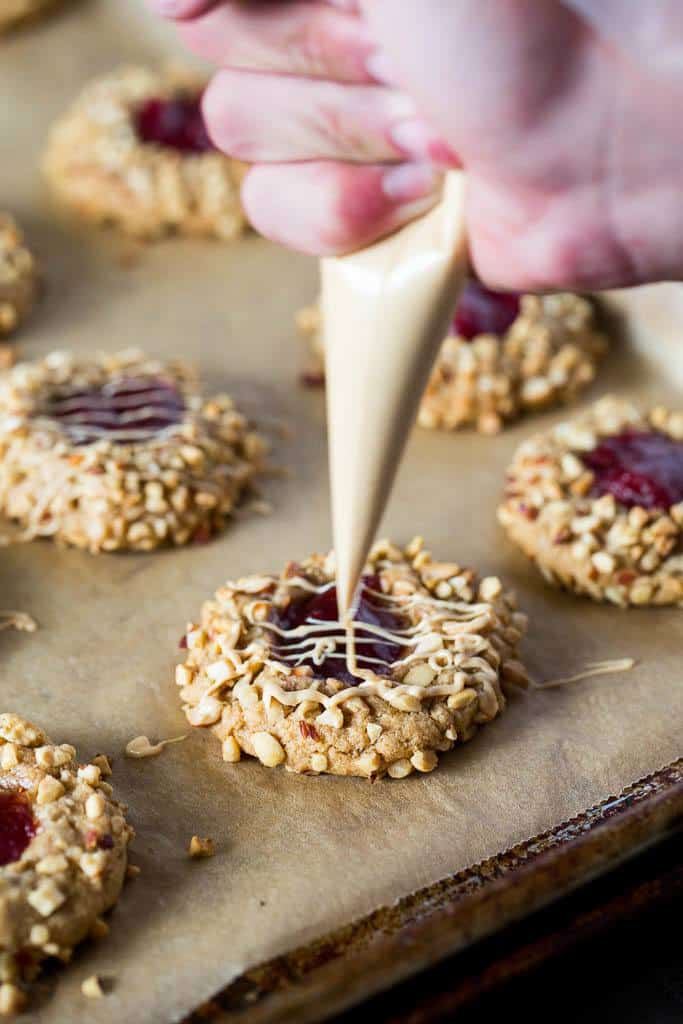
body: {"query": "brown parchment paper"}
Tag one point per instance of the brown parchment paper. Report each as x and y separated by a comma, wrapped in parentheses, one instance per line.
(296, 856)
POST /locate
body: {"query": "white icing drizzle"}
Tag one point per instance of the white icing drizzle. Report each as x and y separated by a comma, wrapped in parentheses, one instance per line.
(91, 434)
(140, 746)
(348, 632)
(86, 415)
(593, 668)
(462, 617)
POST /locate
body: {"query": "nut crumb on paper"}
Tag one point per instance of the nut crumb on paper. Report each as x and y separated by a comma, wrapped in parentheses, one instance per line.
(201, 847)
(20, 621)
(92, 987)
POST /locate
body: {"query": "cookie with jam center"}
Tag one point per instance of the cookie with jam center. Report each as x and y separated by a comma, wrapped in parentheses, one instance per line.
(597, 504)
(133, 151)
(63, 851)
(120, 451)
(269, 666)
(507, 354)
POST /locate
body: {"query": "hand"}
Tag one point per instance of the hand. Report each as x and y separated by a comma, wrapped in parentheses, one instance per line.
(566, 116)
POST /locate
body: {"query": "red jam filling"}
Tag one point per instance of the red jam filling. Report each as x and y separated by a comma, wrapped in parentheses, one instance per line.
(17, 827)
(318, 608)
(483, 311)
(129, 409)
(174, 123)
(640, 468)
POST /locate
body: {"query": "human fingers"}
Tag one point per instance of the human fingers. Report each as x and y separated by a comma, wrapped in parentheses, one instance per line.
(180, 8)
(269, 118)
(299, 38)
(333, 208)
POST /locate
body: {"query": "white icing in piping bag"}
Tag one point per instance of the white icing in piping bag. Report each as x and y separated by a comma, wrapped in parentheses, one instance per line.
(386, 310)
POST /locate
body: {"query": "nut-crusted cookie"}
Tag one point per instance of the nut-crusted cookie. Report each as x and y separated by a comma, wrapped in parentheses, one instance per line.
(63, 849)
(268, 666)
(506, 355)
(120, 451)
(18, 276)
(12, 12)
(133, 151)
(597, 503)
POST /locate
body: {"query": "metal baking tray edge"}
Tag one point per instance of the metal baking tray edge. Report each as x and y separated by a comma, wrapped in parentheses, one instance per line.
(395, 942)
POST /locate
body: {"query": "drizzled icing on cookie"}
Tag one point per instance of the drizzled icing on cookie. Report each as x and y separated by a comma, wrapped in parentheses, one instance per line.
(443, 642)
(310, 632)
(127, 410)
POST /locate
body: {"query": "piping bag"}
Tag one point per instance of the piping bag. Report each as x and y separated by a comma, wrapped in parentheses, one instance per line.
(385, 309)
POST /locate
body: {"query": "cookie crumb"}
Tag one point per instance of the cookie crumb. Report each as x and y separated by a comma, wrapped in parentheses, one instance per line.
(133, 870)
(140, 746)
(92, 987)
(12, 999)
(17, 620)
(201, 847)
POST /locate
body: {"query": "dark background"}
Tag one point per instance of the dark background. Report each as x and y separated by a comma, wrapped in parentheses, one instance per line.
(611, 952)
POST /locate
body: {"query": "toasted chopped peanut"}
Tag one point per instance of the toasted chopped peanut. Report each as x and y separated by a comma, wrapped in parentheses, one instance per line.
(49, 789)
(268, 749)
(319, 762)
(12, 999)
(39, 935)
(424, 760)
(183, 675)
(399, 769)
(90, 773)
(93, 864)
(333, 717)
(490, 588)
(419, 675)
(95, 806)
(92, 987)
(231, 750)
(9, 757)
(52, 864)
(201, 847)
(405, 702)
(206, 712)
(45, 757)
(46, 897)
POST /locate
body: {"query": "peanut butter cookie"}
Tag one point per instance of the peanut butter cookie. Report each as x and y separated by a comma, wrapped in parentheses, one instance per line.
(506, 355)
(270, 668)
(12, 12)
(63, 851)
(18, 276)
(597, 503)
(120, 451)
(133, 151)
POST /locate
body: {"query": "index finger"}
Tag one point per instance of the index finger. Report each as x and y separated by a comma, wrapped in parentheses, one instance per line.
(306, 38)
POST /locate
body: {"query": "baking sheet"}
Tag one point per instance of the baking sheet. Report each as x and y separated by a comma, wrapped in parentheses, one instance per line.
(297, 857)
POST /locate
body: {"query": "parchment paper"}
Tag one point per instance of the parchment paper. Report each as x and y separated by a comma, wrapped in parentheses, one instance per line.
(296, 856)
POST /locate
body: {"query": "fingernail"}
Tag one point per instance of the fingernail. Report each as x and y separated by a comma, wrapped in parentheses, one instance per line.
(378, 66)
(406, 182)
(417, 140)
